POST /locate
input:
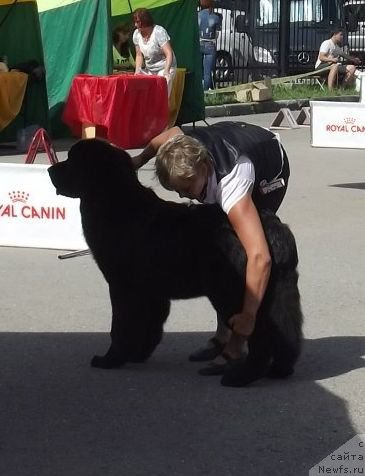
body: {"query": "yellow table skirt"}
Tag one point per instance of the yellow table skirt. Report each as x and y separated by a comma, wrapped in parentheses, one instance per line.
(176, 95)
(12, 90)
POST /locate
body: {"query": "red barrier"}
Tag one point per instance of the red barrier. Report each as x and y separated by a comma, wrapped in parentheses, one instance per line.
(41, 143)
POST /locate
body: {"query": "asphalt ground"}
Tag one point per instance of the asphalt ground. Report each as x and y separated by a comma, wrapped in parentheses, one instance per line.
(59, 417)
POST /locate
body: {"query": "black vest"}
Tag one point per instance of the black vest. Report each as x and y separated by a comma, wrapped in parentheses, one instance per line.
(227, 141)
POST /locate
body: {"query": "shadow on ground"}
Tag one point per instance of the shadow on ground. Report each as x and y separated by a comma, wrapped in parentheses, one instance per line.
(61, 417)
(360, 186)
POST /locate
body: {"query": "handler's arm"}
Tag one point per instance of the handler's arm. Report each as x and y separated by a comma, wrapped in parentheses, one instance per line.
(247, 224)
(166, 48)
(139, 60)
(153, 146)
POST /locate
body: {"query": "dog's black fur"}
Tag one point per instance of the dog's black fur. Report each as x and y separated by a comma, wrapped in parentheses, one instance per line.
(151, 251)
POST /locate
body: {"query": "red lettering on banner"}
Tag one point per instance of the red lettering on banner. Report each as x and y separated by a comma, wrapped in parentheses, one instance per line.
(357, 128)
(53, 213)
(60, 213)
(44, 213)
(24, 210)
(29, 211)
(8, 211)
(35, 214)
(345, 127)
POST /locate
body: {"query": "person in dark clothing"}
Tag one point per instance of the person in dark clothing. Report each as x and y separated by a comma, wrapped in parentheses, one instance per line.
(210, 25)
(243, 168)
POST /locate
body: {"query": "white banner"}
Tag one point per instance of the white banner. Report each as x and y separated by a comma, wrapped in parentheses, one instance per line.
(32, 215)
(338, 124)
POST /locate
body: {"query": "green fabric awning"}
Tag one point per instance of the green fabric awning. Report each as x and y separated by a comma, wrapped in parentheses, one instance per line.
(77, 39)
(20, 42)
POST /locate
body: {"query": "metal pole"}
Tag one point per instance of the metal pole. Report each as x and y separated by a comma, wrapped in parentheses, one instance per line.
(284, 32)
(362, 88)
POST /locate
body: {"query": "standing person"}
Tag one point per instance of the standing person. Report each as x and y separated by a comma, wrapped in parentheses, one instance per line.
(209, 26)
(330, 53)
(243, 168)
(153, 48)
(122, 55)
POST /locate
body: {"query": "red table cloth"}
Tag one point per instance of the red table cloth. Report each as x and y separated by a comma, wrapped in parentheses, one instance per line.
(127, 109)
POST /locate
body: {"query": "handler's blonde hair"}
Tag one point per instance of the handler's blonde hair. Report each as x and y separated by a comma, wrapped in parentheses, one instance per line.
(180, 158)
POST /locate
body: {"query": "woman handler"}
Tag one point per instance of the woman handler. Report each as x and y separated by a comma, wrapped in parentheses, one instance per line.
(243, 168)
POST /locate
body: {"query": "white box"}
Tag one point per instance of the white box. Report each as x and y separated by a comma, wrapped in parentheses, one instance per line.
(337, 124)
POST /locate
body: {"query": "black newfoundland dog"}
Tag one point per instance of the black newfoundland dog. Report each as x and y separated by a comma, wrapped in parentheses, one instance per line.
(151, 251)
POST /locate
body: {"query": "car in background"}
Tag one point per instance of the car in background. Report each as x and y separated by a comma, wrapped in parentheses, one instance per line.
(354, 11)
(248, 46)
(236, 55)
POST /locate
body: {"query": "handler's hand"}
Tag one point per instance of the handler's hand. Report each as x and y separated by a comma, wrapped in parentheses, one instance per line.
(242, 324)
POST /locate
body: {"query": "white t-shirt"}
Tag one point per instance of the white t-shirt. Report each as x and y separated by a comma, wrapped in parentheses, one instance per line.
(154, 57)
(328, 47)
(238, 183)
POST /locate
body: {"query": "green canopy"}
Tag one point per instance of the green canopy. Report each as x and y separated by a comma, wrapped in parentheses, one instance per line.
(21, 43)
(77, 39)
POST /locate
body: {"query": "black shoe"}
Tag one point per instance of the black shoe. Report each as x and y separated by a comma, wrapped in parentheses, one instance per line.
(210, 352)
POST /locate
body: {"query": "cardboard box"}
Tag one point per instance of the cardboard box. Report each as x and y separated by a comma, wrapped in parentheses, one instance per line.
(255, 92)
(262, 91)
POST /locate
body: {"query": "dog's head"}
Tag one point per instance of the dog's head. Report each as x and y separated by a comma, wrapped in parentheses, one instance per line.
(92, 165)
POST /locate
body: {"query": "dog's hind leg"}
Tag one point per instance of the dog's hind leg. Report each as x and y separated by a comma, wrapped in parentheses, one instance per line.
(245, 371)
(286, 321)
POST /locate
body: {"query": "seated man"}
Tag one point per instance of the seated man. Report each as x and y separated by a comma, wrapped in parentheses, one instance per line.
(330, 54)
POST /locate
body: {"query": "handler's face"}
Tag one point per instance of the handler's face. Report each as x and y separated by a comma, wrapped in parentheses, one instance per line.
(194, 188)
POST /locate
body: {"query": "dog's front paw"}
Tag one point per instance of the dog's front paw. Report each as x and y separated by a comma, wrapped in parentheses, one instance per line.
(106, 362)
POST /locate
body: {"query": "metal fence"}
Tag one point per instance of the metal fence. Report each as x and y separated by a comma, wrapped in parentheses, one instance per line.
(262, 38)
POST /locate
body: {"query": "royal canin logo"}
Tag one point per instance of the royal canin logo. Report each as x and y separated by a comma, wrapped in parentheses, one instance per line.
(20, 208)
(348, 125)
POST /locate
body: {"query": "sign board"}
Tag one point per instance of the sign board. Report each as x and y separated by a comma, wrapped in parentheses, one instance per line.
(337, 124)
(32, 214)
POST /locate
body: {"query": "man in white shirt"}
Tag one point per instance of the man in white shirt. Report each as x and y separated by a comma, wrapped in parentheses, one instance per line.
(331, 53)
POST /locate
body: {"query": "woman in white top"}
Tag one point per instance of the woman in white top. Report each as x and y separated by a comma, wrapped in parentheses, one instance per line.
(154, 54)
(244, 169)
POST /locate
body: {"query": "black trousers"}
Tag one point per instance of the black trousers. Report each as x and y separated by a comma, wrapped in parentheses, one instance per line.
(272, 201)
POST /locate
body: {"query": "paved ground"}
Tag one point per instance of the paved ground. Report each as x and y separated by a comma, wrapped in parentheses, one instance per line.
(60, 417)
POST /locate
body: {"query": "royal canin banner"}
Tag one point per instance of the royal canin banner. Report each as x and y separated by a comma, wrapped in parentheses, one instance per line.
(337, 124)
(32, 214)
